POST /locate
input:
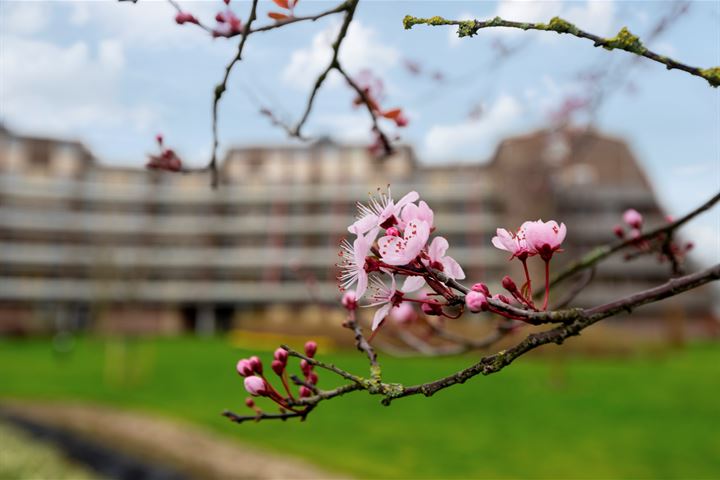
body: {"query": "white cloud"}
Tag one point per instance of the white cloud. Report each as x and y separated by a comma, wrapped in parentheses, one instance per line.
(80, 14)
(57, 89)
(24, 18)
(595, 16)
(361, 49)
(477, 136)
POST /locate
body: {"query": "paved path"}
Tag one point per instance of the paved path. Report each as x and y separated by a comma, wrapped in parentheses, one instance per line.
(189, 449)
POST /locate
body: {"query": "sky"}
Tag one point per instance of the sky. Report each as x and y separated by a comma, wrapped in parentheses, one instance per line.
(113, 74)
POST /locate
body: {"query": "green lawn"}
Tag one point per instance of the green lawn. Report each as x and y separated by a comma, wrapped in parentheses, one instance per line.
(645, 417)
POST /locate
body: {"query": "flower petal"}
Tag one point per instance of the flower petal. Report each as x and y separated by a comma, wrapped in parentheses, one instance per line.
(412, 283)
(380, 315)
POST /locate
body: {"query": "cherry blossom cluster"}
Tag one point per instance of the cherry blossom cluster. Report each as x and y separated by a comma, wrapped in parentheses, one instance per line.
(532, 238)
(667, 249)
(392, 240)
(167, 159)
(257, 384)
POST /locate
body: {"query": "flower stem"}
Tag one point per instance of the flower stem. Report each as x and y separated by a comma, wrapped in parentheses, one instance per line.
(528, 285)
(547, 284)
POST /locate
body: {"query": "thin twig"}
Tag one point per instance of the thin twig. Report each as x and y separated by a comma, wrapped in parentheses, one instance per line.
(624, 40)
(220, 89)
(600, 253)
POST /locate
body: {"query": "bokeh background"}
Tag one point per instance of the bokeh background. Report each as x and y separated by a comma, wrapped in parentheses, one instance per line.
(127, 296)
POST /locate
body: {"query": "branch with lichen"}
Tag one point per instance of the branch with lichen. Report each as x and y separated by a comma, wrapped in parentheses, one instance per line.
(569, 323)
(624, 40)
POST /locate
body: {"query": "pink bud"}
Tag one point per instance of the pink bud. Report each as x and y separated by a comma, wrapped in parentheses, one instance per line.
(482, 288)
(250, 402)
(281, 355)
(256, 364)
(159, 139)
(305, 392)
(278, 367)
(255, 386)
(502, 298)
(432, 309)
(633, 218)
(619, 231)
(305, 367)
(312, 378)
(220, 17)
(184, 17)
(476, 302)
(401, 120)
(227, 2)
(310, 348)
(392, 232)
(349, 300)
(508, 284)
(244, 368)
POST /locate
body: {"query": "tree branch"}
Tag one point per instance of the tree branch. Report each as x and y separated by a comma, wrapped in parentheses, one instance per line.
(600, 253)
(624, 40)
(581, 320)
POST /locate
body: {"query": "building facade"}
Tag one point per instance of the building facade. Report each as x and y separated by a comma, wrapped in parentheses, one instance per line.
(88, 245)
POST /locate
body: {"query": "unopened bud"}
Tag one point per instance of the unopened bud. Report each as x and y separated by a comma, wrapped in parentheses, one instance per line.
(256, 364)
(476, 302)
(312, 378)
(244, 368)
(349, 300)
(305, 367)
(249, 402)
(281, 355)
(305, 392)
(633, 218)
(255, 386)
(502, 298)
(508, 284)
(278, 367)
(482, 288)
(431, 309)
(220, 17)
(619, 231)
(310, 348)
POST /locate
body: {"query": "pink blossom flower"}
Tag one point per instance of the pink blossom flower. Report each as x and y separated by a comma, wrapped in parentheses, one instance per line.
(352, 266)
(633, 218)
(405, 249)
(545, 237)
(391, 297)
(476, 301)
(380, 212)
(515, 243)
(255, 386)
(403, 314)
(417, 212)
(439, 261)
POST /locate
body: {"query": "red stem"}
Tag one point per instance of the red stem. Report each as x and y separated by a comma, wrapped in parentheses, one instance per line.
(547, 284)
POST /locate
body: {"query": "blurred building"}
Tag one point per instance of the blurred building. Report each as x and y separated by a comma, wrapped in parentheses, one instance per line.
(86, 244)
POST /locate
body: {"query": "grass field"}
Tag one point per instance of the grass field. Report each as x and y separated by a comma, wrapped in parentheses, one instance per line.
(645, 417)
